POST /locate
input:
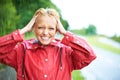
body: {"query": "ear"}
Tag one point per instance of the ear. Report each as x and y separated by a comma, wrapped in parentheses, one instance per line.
(34, 25)
(56, 31)
(33, 28)
(57, 27)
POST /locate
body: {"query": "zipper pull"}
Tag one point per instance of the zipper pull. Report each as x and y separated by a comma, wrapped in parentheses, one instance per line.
(61, 68)
(23, 76)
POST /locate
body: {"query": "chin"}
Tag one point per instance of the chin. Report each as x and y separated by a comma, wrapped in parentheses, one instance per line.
(45, 43)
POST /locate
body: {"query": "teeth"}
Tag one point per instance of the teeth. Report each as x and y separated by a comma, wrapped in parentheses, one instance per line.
(45, 38)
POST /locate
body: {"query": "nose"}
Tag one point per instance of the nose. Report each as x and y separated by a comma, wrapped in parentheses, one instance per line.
(45, 32)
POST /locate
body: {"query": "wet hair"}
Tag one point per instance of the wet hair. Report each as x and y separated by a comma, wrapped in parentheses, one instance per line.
(47, 11)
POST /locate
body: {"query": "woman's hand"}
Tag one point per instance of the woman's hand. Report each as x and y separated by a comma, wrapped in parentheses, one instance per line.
(60, 27)
(29, 26)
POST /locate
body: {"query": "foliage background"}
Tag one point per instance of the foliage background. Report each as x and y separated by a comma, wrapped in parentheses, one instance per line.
(15, 14)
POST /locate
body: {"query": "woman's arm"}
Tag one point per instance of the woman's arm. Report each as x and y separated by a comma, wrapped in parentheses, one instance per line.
(8, 44)
(7, 48)
(29, 26)
(82, 53)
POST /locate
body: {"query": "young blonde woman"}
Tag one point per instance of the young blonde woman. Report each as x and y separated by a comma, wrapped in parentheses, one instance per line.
(45, 58)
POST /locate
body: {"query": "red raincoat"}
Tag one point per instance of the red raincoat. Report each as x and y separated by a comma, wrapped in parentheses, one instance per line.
(56, 61)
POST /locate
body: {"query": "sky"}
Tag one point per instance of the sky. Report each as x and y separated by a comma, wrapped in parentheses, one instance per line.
(104, 14)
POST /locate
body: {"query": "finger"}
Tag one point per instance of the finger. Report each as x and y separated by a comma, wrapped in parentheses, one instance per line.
(32, 21)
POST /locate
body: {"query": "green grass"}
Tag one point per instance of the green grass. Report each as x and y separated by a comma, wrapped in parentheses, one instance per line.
(2, 66)
(29, 36)
(95, 42)
(76, 75)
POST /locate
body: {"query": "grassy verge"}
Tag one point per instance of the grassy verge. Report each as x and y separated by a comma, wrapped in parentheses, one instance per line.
(95, 42)
(29, 35)
(76, 75)
(2, 66)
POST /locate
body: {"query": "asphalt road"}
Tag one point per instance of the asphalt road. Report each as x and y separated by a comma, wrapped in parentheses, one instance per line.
(105, 67)
(8, 74)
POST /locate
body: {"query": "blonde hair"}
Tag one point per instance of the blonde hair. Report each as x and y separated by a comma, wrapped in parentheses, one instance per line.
(47, 11)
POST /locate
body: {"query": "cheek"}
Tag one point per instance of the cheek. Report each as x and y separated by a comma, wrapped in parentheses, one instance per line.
(37, 32)
(53, 33)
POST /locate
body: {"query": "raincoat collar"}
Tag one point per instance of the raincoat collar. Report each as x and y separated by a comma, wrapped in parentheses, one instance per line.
(34, 43)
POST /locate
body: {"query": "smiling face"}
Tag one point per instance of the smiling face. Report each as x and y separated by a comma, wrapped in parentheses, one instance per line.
(45, 29)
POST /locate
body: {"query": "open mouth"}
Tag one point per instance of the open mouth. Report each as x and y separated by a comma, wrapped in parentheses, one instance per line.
(45, 38)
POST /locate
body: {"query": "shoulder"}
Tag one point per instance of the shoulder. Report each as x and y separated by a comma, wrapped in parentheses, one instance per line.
(29, 43)
(65, 48)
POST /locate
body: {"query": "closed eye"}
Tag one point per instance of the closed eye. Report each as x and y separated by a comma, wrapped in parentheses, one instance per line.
(40, 27)
(51, 28)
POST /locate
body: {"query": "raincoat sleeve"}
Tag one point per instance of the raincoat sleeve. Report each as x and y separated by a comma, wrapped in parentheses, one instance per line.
(8, 46)
(82, 53)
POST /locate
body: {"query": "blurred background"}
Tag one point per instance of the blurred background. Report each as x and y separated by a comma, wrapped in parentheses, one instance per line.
(97, 21)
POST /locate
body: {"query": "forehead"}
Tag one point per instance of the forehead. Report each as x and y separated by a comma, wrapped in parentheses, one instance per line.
(46, 19)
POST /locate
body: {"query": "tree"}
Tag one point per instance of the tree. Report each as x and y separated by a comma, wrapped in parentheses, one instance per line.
(91, 30)
(15, 14)
(7, 16)
(65, 23)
